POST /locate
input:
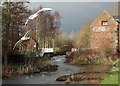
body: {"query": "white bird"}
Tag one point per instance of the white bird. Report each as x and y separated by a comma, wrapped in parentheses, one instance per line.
(24, 38)
(27, 77)
(36, 14)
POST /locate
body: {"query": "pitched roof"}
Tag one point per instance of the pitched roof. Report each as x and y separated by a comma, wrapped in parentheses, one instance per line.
(102, 13)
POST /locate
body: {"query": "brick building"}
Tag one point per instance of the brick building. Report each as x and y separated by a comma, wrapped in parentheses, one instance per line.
(104, 32)
(30, 45)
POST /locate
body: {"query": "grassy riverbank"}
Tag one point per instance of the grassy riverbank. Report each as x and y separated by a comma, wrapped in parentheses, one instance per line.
(91, 74)
(112, 76)
(103, 75)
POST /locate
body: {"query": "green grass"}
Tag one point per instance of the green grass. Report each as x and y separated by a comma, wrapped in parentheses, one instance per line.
(111, 80)
(112, 77)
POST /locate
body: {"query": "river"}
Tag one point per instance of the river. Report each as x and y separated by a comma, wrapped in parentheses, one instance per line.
(45, 77)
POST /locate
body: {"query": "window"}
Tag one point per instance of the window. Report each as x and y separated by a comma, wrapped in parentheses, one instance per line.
(104, 23)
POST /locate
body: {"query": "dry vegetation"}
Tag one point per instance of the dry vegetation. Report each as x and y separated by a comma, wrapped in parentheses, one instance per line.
(82, 39)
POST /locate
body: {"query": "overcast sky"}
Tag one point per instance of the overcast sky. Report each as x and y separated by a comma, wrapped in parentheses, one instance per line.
(75, 14)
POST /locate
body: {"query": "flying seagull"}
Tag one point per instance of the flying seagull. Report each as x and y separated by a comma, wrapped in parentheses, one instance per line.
(36, 14)
(25, 37)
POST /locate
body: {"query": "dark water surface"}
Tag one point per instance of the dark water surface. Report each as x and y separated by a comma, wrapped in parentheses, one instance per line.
(50, 77)
(45, 77)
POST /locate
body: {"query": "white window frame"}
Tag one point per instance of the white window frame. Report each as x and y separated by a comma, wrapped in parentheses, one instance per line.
(104, 23)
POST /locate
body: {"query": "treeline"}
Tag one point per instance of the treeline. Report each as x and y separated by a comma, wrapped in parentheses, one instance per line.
(14, 16)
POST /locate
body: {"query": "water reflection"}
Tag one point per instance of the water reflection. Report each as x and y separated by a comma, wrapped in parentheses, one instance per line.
(45, 77)
(95, 68)
(50, 77)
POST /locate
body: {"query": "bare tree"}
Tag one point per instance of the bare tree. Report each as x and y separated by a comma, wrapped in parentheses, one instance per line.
(114, 10)
(47, 26)
(13, 14)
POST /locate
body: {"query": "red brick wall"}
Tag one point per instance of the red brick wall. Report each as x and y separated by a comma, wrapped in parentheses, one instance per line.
(30, 45)
(103, 38)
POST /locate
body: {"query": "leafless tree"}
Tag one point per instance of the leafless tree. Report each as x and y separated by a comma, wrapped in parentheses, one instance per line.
(47, 26)
(14, 15)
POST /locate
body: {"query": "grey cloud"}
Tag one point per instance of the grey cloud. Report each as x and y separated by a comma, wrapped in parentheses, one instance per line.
(75, 14)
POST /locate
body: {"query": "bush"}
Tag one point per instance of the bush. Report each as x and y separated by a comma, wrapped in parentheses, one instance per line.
(90, 57)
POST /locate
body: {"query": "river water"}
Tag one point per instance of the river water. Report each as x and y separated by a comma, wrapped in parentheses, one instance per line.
(45, 77)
